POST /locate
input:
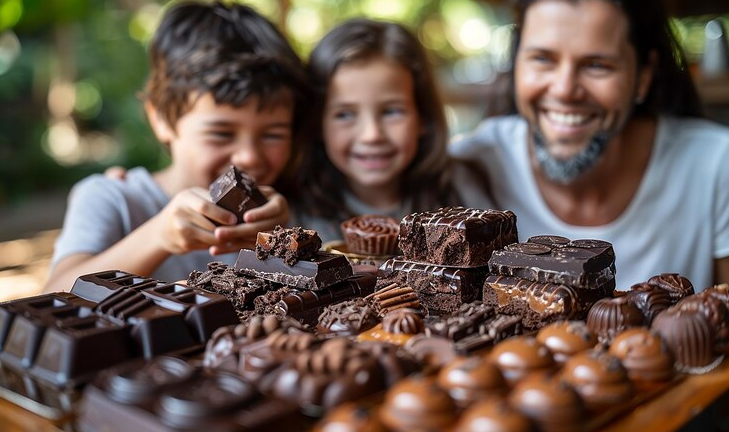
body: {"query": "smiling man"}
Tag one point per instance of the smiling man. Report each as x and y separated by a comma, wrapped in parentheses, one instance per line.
(609, 142)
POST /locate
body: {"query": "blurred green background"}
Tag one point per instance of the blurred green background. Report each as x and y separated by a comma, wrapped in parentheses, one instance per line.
(71, 70)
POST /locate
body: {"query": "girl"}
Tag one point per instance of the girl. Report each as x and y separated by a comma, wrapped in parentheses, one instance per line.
(381, 145)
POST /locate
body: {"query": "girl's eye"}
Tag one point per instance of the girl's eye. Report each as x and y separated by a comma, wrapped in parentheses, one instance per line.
(344, 115)
(393, 111)
(274, 137)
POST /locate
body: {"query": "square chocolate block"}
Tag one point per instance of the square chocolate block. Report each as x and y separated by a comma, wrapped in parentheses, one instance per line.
(456, 236)
(236, 191)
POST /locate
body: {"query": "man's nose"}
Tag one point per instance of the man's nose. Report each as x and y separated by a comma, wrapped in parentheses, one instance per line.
(566, 84)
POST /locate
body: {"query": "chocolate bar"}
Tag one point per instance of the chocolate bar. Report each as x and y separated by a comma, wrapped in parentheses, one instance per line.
(326, 269)
(588, 264)
(440, 289)
(306, 306)
(490, 332)
(292, 245)
(168, 395)
(236, 191)
(461, 323)
(538, 303)
(95, 287)
(456, 236)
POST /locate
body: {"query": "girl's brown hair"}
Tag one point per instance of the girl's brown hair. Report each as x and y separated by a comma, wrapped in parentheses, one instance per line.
(426, 179)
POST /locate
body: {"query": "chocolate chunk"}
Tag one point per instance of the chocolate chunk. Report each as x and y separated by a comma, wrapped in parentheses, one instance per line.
(324, 270)
(292, 245)
(347, 318)
(588, 264)
(441, 290)
(461, 323)
(538, 303)
(306, 306)
(240, 289)
(456, 236)
(237, 192)
(490, 332)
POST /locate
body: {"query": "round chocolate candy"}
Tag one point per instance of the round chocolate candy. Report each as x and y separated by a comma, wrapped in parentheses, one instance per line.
(599, 379)
(566, 338)
(403, 321)
(417, 403)
(549, 240)
(518, 356)
(689, 336)
(589, 243)
(351, 417)
(650, 299)
(643, 354)
(717, 314)
(137, 382)
(529, 248)
(468, 379)
(551, 404)
(371, 234)
(493, 414)
(678, 286)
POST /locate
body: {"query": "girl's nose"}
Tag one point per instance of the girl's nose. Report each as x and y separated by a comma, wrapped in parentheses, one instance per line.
(371, 130)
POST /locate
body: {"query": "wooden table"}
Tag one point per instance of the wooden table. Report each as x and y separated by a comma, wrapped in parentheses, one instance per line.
(697, 403)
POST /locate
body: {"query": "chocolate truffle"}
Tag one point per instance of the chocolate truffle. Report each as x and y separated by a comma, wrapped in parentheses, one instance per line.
(395, 363)
(347, 318)
(689, 337)
(519, 356)
(431, 351)
(717, 314)
(403, 321)
(643, 354)
(371, 235)
(417, 403)
(650, 299)
(610, 316)
(566, 338)
(469, 379)
(599, 379)
(493, 415)
(719, 292)
(552, 404)
(351, 417)
(676, 285)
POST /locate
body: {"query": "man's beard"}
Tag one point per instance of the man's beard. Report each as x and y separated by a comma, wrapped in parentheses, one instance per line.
(565, 171)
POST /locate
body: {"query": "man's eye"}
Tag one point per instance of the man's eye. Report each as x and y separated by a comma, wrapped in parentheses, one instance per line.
(220, 135)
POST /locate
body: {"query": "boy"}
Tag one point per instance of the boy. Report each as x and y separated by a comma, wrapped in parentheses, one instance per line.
(225, 89)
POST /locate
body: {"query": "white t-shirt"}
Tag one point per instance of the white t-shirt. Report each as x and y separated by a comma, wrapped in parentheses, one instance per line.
(678, 220)
(101, 211)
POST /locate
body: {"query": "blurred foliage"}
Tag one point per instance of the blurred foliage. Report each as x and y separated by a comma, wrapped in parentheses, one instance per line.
(71, 72)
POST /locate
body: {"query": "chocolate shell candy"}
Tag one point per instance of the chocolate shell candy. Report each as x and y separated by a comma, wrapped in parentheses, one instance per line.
(371, 235)
(403, 321)
(676, 285)
(717, 314)
(417, 403)
(469, 379)
(347, 318)
(690, 338)
(610, 316)
(650, 299)
(519, 356)
(493, 415)
(599, 379)
(566, 338)
(552, 404)
(643, 354)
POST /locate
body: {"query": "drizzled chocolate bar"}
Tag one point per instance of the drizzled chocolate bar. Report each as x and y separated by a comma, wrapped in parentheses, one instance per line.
(440, 289)
(456, 236)
(236, 191)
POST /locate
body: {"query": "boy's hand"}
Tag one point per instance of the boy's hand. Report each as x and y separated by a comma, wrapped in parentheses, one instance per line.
(186, 222)
(263, 218)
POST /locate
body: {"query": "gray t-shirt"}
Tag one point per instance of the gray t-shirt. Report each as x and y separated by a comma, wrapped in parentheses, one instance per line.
(101, 211)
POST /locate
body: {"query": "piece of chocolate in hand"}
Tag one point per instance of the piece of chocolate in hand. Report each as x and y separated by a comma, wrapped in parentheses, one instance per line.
(236, 191)
(291, 244)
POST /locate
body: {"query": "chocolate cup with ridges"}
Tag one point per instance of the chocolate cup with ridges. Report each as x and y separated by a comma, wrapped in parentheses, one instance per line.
(650, 299)
(456, 236)
(588, 264)
(678, 286)
(610, 316)
(324, 271)
(690, 337)
(564, 339)
(539, 304)
(371, 235)
(440, 289)
(644, 355)
(95, 287)
(237, 192)
(717, 314)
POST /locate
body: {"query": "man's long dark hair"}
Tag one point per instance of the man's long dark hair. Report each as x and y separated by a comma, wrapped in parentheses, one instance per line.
(672, 90)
